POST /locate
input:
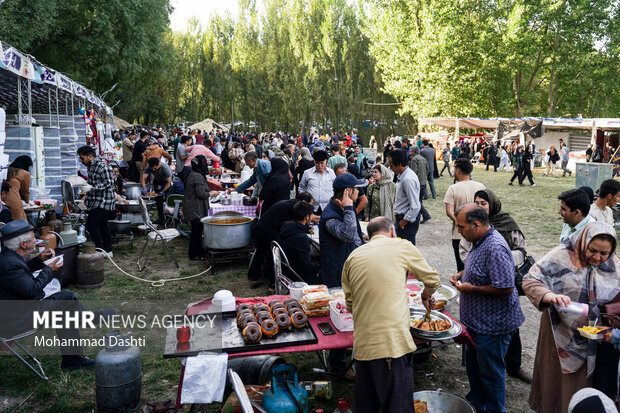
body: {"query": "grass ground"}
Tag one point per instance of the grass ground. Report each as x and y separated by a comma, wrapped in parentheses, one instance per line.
(534, 208)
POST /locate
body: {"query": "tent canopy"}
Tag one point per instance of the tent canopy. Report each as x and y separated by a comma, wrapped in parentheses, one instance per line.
(121, 124)
(208, 125)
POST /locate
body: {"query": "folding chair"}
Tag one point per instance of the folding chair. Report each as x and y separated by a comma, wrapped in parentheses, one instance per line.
(152, 235)
(279, 261)
(69, 203)
(10, 341)
(173, 201)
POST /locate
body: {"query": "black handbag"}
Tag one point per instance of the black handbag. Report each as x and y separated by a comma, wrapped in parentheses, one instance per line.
(521, 271)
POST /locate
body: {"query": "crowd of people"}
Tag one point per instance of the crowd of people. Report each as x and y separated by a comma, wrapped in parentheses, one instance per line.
(327, 184)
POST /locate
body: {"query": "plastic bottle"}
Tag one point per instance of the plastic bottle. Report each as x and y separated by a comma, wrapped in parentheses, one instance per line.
(343, 407)
(82, 234)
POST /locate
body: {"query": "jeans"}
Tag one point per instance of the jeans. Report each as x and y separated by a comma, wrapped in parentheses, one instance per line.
(446, 165)
(486, 371)
(565, 168)
(410, 230)
(97, 227)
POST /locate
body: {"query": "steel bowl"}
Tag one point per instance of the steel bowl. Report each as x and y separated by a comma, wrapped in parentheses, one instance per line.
(435, 315)
(133, 206)
(226, 236)
(442, 402)
(119, 227)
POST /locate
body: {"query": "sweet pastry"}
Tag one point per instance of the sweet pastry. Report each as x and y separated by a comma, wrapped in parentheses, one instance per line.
(276, 306)
(274, 302)
(269, 328)
(278, 311)
(242, 307)
(293, 308)
(262, 316)
(242, 313)
(261, 307)
(290, 300)
(299, 319)
(245, 320)
(252, 333)
(283, 321)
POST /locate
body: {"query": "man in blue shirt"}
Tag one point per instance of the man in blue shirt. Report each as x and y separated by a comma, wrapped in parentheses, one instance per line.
(489, 307)
(574, 209)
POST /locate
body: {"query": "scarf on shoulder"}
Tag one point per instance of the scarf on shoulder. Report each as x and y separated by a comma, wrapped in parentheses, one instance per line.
(564, 270)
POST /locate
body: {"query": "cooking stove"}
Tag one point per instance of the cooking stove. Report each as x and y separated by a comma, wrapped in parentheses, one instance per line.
(228, 255)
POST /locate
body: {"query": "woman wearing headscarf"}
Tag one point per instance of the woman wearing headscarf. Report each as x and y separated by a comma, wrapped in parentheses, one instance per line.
(18, 178)
(196, 204)
(305, 162)
(277, 185)
(581, 274)
(381, 194)
(510, 231)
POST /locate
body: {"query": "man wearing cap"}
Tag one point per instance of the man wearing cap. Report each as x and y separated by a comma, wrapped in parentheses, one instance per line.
(407, 201)
(17, 283)
(318, 181)
(339, 235)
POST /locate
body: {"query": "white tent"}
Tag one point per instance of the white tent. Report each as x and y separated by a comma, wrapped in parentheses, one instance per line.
(208, 125)
(121, 124)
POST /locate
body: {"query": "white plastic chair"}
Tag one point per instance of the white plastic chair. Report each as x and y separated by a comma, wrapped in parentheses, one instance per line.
(152, 235)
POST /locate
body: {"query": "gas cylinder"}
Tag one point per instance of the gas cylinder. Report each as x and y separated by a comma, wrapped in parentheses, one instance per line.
(46, 234)
(118, 375)
(286, 394)
(89, 268)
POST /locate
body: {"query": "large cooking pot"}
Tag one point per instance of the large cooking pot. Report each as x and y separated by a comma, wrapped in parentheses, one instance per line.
(133, 206)
(132, 190)
(228, 230)
(119, 227)
(439, 401)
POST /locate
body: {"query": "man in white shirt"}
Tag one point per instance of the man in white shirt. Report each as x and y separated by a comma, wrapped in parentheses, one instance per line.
(318, 181)
(609, 195)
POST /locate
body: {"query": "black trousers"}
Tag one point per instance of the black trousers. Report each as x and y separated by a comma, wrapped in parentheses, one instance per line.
(97, 226)
(513, 355)
(518, 174)
(423, 212)
(65, 301)
(460, 266)
(384, 385)
(446, 165)
(527, 173)
(159, 200)
(410, 230)
(195, 239)
(262, 253)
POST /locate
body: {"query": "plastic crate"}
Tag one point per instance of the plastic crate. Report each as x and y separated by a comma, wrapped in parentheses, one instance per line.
(343, 322)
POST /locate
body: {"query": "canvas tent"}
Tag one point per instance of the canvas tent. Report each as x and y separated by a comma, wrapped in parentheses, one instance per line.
(121, 124)
(208, 125)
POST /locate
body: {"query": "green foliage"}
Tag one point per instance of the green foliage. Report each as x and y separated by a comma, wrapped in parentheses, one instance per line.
(498, 58)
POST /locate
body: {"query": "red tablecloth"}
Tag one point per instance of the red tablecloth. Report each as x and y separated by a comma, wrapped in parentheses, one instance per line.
(342, 339)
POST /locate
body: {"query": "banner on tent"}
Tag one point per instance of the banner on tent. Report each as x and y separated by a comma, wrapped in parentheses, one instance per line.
(80, 91)
(64, 83)
(13, 61)
(45, 75)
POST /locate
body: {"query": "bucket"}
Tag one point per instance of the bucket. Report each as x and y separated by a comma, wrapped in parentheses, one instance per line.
(296, 289)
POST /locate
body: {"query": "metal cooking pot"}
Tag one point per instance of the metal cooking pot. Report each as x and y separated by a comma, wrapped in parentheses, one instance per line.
(118, 227)
(133, 206)
(132, 190)
(225, 236)
(440, 402)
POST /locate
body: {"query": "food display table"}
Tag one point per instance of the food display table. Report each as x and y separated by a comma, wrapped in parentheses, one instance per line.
(339, 340)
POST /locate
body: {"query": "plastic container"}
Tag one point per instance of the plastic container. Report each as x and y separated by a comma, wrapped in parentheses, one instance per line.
(343, 322)
(296, 289)
(225, 300)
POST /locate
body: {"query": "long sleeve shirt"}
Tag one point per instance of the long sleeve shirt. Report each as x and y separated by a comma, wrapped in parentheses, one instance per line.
(407, 200)
(345, 230)
(567, 230)
(101, 178)
(374, 280)
(320, 186)
(196, 150)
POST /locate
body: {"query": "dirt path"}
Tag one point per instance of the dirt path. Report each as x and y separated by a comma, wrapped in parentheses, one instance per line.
(446, 372)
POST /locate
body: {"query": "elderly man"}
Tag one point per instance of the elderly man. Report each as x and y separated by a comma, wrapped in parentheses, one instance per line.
(318, 181)
(378, 300)
(489, 307)
(407, 201)
(428, 152)
(17, 283)
(419, 165)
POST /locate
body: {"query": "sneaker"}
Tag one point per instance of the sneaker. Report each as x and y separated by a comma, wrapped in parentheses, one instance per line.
(76, 362)
(110, 254)
(533, 184)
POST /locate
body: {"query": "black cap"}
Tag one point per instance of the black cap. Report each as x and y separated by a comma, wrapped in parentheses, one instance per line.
(348, 180)
(319, 156)
(15, 228)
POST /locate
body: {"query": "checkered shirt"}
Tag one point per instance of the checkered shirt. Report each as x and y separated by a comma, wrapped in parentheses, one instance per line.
(101, 178)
